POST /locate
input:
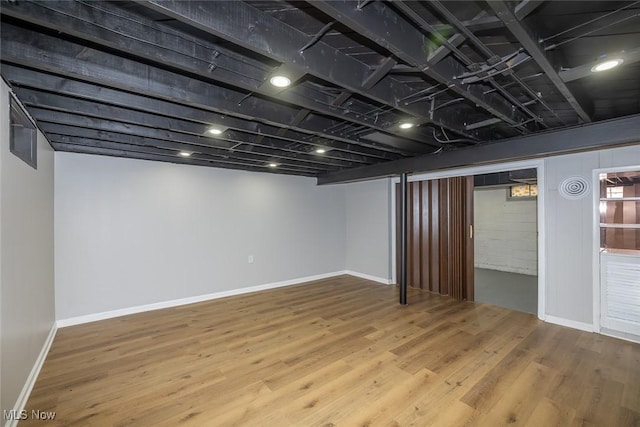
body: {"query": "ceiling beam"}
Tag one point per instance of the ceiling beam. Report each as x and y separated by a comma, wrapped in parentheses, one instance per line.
(174, 140)
(385, 27)
(629, 56)
(585, 137)
(147, 40)
(158, 156)
(490, 55)
(480, 23)
(441, 52)
(108, 25)
(526, 7)
(529, 42)
(169, 148)
(266, 35)
(50, 101)
(24, 47)
(70, 130)
(22, 77)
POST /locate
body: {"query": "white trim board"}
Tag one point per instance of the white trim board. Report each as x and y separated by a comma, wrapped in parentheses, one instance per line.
(21, 402)
(588, 327)
(369, 277)
(200, 298)
(620, 335)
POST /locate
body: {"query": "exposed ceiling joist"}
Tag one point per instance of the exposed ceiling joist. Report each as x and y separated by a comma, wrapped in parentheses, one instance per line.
(529, 42)
(204, 153)
(263, 34)
(149, 42)
(480, 23)
(76, 61)
(183, 141)
(382, 25)
(87, 91)
(490, 56)
(143, 153)
(441, 52)
(372, 79)
(526, 7)
(581, 138)
(147, 79)
(268, 146)
(67, 132)
(232, 144)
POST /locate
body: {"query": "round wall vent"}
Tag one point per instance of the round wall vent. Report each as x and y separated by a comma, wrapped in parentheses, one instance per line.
(574, 187)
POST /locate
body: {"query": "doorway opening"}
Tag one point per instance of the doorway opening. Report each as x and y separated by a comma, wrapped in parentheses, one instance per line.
(618, 212)
(506, 239)
(537, 164)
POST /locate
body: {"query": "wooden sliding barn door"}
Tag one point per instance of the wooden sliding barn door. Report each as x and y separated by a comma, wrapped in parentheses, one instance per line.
(440, 236)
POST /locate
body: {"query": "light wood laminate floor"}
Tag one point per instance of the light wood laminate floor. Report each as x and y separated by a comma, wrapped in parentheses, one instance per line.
(336, 352)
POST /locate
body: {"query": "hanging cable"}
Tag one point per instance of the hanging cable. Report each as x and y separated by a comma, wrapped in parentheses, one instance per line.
(588, 22)
(595, 30)
(447, 140)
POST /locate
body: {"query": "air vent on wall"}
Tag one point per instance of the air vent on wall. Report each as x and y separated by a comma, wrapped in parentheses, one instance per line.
(574, 187)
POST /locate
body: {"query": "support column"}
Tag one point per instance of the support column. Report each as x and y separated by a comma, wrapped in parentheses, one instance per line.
(403, 238)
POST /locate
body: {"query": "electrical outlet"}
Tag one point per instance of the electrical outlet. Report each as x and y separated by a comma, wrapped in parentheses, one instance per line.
(250, 260)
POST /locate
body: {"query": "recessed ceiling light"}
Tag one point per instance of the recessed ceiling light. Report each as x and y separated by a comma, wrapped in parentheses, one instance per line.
(214, 131)
(606, 65)
(280, 81)
(273, 165)
(320, 150)
(185, 154)
(406, 125)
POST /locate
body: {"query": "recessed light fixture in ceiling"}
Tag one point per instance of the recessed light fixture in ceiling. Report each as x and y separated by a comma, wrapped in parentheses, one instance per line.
(606, 65)
(273, 165)
(214, 131)
(321, 150)
(280, 81)
(185, 154)
(406, 125)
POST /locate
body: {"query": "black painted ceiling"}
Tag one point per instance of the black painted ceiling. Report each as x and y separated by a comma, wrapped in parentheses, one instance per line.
(148, 79)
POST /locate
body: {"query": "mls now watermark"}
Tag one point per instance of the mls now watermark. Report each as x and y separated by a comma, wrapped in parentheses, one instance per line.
(35, 414)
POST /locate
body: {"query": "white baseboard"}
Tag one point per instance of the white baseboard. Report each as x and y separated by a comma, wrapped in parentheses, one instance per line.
(588, 327)
(33, 376)
(369, 277)
(620, 335)
(189, 300)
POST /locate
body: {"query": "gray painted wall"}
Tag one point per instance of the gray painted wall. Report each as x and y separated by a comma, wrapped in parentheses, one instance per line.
(505, 232)
(131, 232)
(26, 259)
(568, 229)
(569, 232)
(368, 233)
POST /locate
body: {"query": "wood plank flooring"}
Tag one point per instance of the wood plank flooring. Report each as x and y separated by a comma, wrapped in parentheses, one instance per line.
(336, 352)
